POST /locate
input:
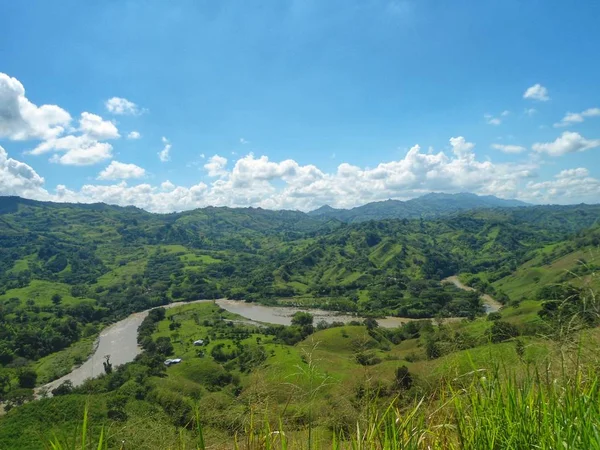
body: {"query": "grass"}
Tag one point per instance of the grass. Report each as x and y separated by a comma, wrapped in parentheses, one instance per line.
(60, 363)
(41, 293)
(492, 410)
(529, 277)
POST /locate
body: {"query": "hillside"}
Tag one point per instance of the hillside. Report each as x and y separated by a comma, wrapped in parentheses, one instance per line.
(428, 206)
(67, 271)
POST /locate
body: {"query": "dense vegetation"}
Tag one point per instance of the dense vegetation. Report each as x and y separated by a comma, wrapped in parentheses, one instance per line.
(68, 270)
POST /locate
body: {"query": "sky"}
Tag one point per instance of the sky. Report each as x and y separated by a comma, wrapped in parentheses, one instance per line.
(293, 104)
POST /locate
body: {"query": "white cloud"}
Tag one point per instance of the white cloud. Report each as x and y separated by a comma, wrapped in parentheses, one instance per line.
(121, 171)
(509, 148)
(491, 120)
(530, 111)
(537, 92)
(167, 186)
(244, 141)
(78, 150)
(164, 155)
(255, 181)
(505, 113)
(22, 120)
(567, 186)
(258, 181)
(134, 135)
(249, 182)
(122, 106)
(568, 142)
(85, 155)
(573, 118)
(216, 166)
(17, 178)
(97, 128)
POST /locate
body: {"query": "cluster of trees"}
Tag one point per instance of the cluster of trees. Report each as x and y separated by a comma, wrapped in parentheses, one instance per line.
(373, 268)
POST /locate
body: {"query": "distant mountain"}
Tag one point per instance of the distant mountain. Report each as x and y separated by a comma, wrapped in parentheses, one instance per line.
(427, 206)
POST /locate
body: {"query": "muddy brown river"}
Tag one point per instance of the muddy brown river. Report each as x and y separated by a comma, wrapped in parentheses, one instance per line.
(119, 340)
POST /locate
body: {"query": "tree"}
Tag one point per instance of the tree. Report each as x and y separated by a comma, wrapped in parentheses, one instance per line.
(27, 378)
(502, 331)
(108, 368)
(403, 379)
(432, 349)
(302, 319)
(64, 388)
(56, 299)
(6, 354)
(493, 316)
(370, 323)
(164, 346)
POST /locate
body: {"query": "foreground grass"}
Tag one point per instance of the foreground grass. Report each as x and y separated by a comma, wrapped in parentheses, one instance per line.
(489, 411)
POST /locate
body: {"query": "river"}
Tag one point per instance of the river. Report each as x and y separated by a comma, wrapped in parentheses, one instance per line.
(489, 303)
(120, 339)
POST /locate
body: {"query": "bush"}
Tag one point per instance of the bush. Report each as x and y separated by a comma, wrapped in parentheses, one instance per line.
(502, 331)
(403, 378)
(27, 378)
(63, 389)
(494, 316)
(367, 359)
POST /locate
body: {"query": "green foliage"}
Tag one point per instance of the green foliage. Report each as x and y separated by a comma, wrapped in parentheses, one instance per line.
(27, 378)
(302, 319)
(502, 331)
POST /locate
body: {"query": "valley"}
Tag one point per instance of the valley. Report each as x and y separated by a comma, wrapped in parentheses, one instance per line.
(306, 322)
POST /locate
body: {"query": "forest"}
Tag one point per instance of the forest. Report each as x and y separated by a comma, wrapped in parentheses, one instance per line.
(67, 271)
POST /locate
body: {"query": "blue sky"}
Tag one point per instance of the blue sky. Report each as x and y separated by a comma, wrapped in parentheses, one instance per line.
(298, 103)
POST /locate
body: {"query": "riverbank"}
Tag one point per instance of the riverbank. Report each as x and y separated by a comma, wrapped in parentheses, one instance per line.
(119, 340)
(490, 303)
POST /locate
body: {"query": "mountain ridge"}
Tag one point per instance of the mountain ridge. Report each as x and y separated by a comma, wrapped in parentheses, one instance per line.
(430, 205)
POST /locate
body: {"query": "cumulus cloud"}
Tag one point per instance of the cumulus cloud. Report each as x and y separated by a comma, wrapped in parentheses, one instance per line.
(537, 92)
(258, 181)
(167, 186)
(22, 120)
(122, 106)
(18, 178)
(573, 118)
(509, 148)
(244, 141)
(567, 185)
(216, 166)
(88, 154)
(96, 127)
(134, 135)
(568, 142)
(164, 155)
(78, 150)
(120, 171)
(491, 120)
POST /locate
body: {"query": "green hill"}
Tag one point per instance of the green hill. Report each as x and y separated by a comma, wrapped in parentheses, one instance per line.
(67, 271)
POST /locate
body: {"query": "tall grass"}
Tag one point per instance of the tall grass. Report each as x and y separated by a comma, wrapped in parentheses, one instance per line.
(491, 411)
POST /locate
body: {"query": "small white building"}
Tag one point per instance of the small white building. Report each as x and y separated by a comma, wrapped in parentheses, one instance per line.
(199, 342)
(168, 362)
